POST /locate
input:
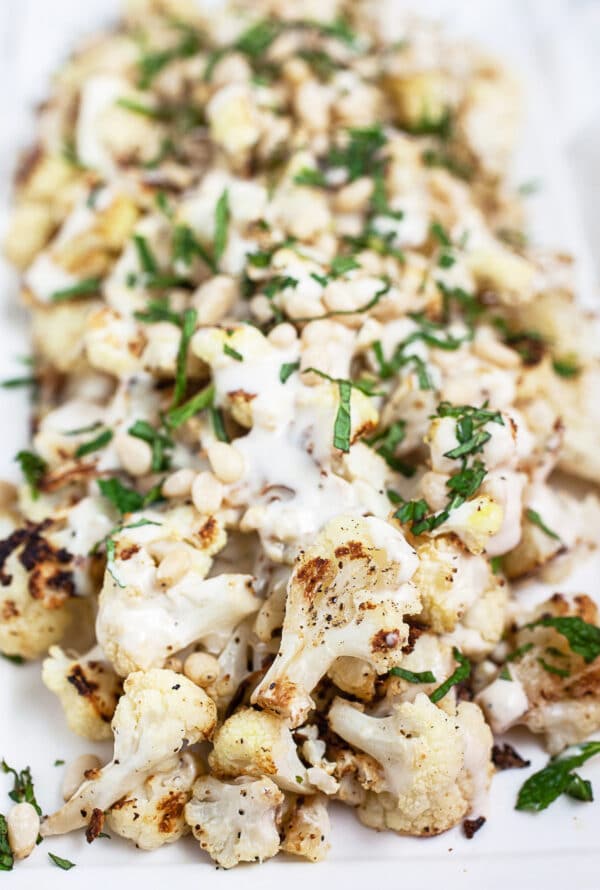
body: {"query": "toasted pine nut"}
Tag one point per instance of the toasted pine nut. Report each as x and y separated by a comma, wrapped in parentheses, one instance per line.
(135, 454)
(201, 668)
(283, 335)
(226, 461)
(179, 483)
(214, 299)
(207, 493)
(75, 773)
(23, 825)
(174, 565)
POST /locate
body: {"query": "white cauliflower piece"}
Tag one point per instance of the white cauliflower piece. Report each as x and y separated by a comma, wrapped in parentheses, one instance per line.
(151, 814)
(544, 685)
(159, 711)
(236, 822)
(88, 690)
(146, 615)
(256, 743)
(461, 596)
(437, 767)
(348, 595)
(37, 593)
(307, 832)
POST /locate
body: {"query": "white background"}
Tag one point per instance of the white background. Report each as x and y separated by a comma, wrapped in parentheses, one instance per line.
(553, 43)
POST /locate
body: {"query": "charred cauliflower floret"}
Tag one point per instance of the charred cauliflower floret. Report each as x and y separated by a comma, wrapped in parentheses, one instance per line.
(436, 767)
(550, 681)
(152, 814)
(37, 592)
(306, 831)
(236, 822)
(256, 743)
(159, 711)
(156, 600)
(348, 595)
(88, 690)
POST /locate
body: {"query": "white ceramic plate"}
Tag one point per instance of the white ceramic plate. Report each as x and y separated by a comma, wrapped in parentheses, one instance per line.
(551, 850)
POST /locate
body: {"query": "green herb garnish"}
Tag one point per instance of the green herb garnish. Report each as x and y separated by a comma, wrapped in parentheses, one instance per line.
(157, 440)
(566, 367)
(310, 176)
(188, 327)
(22, 790)
(6, 856)
(411, 677)
(583, 638)
(462, 673)
(544, 787)
(232, 353)
(65, 864)
(218, 424)
(534, 517)
(33, 468)
(175, 417)
(222, 215)
(95, 444)
(287, 369)
(84, 288)
(127, 500)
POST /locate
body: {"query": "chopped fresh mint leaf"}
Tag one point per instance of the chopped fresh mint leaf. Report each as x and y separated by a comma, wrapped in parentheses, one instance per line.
(33, 468)
(175, 417)
(222, 215)
(84, 288)
(462, 673)
(534, 517)
(544, 787)
(187, 331)
(583, 638)
(287, 369)
(22, 790)
(65, 864)
(94, 444)
(411, 677)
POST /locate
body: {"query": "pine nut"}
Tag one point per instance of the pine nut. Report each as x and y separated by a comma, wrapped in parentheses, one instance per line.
(207, 493)
(174, 565)
(214, 299)
(175, 664)
(179, 483)
(201, 668)
(134, 454)
(226, 461)
(23, 825)
(75, 773)
(283, 335)
(354, 197)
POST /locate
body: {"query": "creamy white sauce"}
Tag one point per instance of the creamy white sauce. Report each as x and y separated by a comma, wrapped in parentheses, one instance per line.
(503, 702)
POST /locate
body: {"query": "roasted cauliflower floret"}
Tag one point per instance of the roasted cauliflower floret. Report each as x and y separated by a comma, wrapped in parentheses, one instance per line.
(550, 682)
(437, 767)
(236, 822)
(37, 593)
(256, 743)
(306, 832)
(155, 599)
(88, 690)
(348, 595)
(159, 711)
(151, 814)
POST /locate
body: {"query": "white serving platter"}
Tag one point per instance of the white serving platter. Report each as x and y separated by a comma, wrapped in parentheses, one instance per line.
(522, 851)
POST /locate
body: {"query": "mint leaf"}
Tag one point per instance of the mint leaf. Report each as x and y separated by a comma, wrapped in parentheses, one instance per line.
(542, 788)
(411, 677)
(33, 468)
(94, 444)
(462, 673)
(583, 638)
